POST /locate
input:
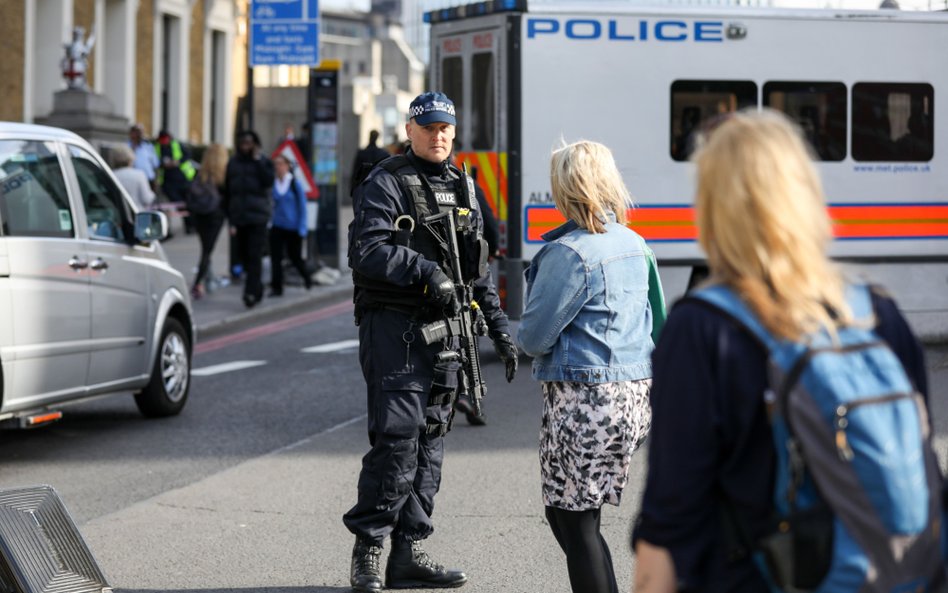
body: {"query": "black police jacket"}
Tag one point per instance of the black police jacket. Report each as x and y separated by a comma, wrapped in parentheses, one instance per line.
(385, 271)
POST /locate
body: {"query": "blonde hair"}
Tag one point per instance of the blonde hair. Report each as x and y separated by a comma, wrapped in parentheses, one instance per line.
(763, 224)
(214, 165)
(586, 185)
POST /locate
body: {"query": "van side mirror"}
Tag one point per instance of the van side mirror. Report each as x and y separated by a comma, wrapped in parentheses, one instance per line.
(151, 226)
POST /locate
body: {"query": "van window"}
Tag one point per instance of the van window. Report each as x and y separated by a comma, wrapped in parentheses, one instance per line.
(107, 214)
(482, 112)
(893, 122)
(33, 197)
(695, 104)
(819, 108)
(452, 85)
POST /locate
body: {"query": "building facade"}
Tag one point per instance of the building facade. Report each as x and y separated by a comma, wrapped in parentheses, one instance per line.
(164, 63)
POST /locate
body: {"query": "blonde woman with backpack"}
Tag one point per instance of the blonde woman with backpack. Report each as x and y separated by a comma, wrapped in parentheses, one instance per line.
(714, 485)
(204, 204)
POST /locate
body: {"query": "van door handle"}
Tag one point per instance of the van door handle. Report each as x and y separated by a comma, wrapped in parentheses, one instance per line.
(78, 264)
(99, 264)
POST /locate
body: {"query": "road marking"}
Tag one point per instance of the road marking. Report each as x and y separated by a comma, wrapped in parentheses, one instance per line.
(217, 369)
(272, 328)
(331, 347)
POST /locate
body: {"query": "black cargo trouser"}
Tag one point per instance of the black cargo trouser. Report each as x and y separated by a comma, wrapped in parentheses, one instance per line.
(401, 473)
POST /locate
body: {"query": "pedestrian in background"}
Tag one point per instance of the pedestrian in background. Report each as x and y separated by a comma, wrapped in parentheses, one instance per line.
(365, 158)
(288, 229)
(594, 306)
(206, 208)
(175, 172)
(146, 158)
(133, 180)
(247, 188)
(762, 222)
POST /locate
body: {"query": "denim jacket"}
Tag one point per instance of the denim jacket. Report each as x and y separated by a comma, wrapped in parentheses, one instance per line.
(588, 317)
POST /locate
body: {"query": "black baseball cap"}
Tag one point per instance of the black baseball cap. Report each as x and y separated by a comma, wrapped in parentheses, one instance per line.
(431, 107)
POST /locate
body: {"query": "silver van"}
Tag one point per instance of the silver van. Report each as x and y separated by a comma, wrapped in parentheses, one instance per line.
(88, 302)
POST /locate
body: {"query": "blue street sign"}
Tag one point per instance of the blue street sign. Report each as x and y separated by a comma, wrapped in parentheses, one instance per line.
(284, 32)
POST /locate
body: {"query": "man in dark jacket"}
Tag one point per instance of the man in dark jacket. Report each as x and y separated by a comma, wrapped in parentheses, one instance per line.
(402, 283)
(247, 189)
(367, 156)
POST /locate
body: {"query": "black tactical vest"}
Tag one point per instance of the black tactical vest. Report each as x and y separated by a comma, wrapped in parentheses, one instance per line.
(426, 196)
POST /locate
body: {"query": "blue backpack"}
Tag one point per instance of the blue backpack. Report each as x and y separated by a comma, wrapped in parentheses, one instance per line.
(858, 488)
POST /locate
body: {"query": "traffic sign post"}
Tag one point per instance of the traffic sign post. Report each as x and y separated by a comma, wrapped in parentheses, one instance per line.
(284, 32)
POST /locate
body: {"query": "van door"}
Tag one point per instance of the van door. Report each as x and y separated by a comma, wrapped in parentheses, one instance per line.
(46, 345)
(119, 279)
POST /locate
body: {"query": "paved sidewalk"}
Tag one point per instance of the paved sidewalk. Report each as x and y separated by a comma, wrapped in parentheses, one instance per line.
(223, 308)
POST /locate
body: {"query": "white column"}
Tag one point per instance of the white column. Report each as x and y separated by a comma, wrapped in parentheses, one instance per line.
(52, 29)
(183, 76)
(117, 45)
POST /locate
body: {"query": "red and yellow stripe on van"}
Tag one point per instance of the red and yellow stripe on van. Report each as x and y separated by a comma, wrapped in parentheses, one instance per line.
(491, 176)
(850, 221)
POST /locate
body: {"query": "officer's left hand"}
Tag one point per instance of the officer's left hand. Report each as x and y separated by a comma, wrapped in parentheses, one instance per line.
(507, 351)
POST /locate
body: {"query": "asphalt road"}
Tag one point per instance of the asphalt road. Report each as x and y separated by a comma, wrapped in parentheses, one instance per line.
(243, 492)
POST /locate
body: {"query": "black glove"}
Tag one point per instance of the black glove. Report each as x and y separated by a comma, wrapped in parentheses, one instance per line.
(440, 290)
(507, 351)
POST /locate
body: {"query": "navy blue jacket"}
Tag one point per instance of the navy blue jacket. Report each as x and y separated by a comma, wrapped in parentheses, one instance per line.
(376, 204)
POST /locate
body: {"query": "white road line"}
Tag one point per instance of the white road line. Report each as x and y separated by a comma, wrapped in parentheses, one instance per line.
(331, 347)
(227, 367)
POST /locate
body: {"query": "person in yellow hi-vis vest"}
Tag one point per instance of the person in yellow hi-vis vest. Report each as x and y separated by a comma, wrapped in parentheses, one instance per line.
(175, 172)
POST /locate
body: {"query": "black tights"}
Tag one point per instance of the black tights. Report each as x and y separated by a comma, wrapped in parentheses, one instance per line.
(587, 554)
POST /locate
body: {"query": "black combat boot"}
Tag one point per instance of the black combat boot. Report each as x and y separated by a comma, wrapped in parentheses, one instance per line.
(365, 575)
(409, 567)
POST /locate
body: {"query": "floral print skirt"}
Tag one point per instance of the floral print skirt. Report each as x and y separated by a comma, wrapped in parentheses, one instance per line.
(587, 436)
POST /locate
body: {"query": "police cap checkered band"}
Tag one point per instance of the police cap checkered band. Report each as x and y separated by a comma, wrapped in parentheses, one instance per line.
(428, 108)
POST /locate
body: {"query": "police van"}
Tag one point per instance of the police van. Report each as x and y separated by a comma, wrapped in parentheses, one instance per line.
(864, 86)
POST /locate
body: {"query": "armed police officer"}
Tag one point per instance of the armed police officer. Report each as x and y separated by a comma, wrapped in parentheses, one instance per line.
(404, 282)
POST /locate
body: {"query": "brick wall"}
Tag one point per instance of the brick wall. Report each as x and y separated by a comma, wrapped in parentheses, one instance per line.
(195, 67)
(11, 66)
(144, 65)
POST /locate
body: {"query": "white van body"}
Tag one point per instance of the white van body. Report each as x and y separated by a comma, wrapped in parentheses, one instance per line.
(865, 85)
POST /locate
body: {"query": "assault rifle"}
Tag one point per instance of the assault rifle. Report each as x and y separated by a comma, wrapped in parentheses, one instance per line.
(468, 322)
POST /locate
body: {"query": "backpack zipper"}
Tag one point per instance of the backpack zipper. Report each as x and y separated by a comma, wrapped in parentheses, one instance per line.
(843, 449)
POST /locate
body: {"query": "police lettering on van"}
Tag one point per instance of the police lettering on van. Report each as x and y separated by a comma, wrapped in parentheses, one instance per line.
(624, 30)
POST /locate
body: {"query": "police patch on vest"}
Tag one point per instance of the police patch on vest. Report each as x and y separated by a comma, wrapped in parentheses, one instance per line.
(448, 198)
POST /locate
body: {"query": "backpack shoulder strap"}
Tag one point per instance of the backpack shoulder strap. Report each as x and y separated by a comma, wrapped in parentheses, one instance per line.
(860, 302)
(724, 299)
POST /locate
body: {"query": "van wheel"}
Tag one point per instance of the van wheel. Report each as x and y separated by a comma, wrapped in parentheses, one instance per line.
(167, 391)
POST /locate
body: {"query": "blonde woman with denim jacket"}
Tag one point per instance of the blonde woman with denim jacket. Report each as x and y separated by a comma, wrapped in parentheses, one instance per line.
(594, 308)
